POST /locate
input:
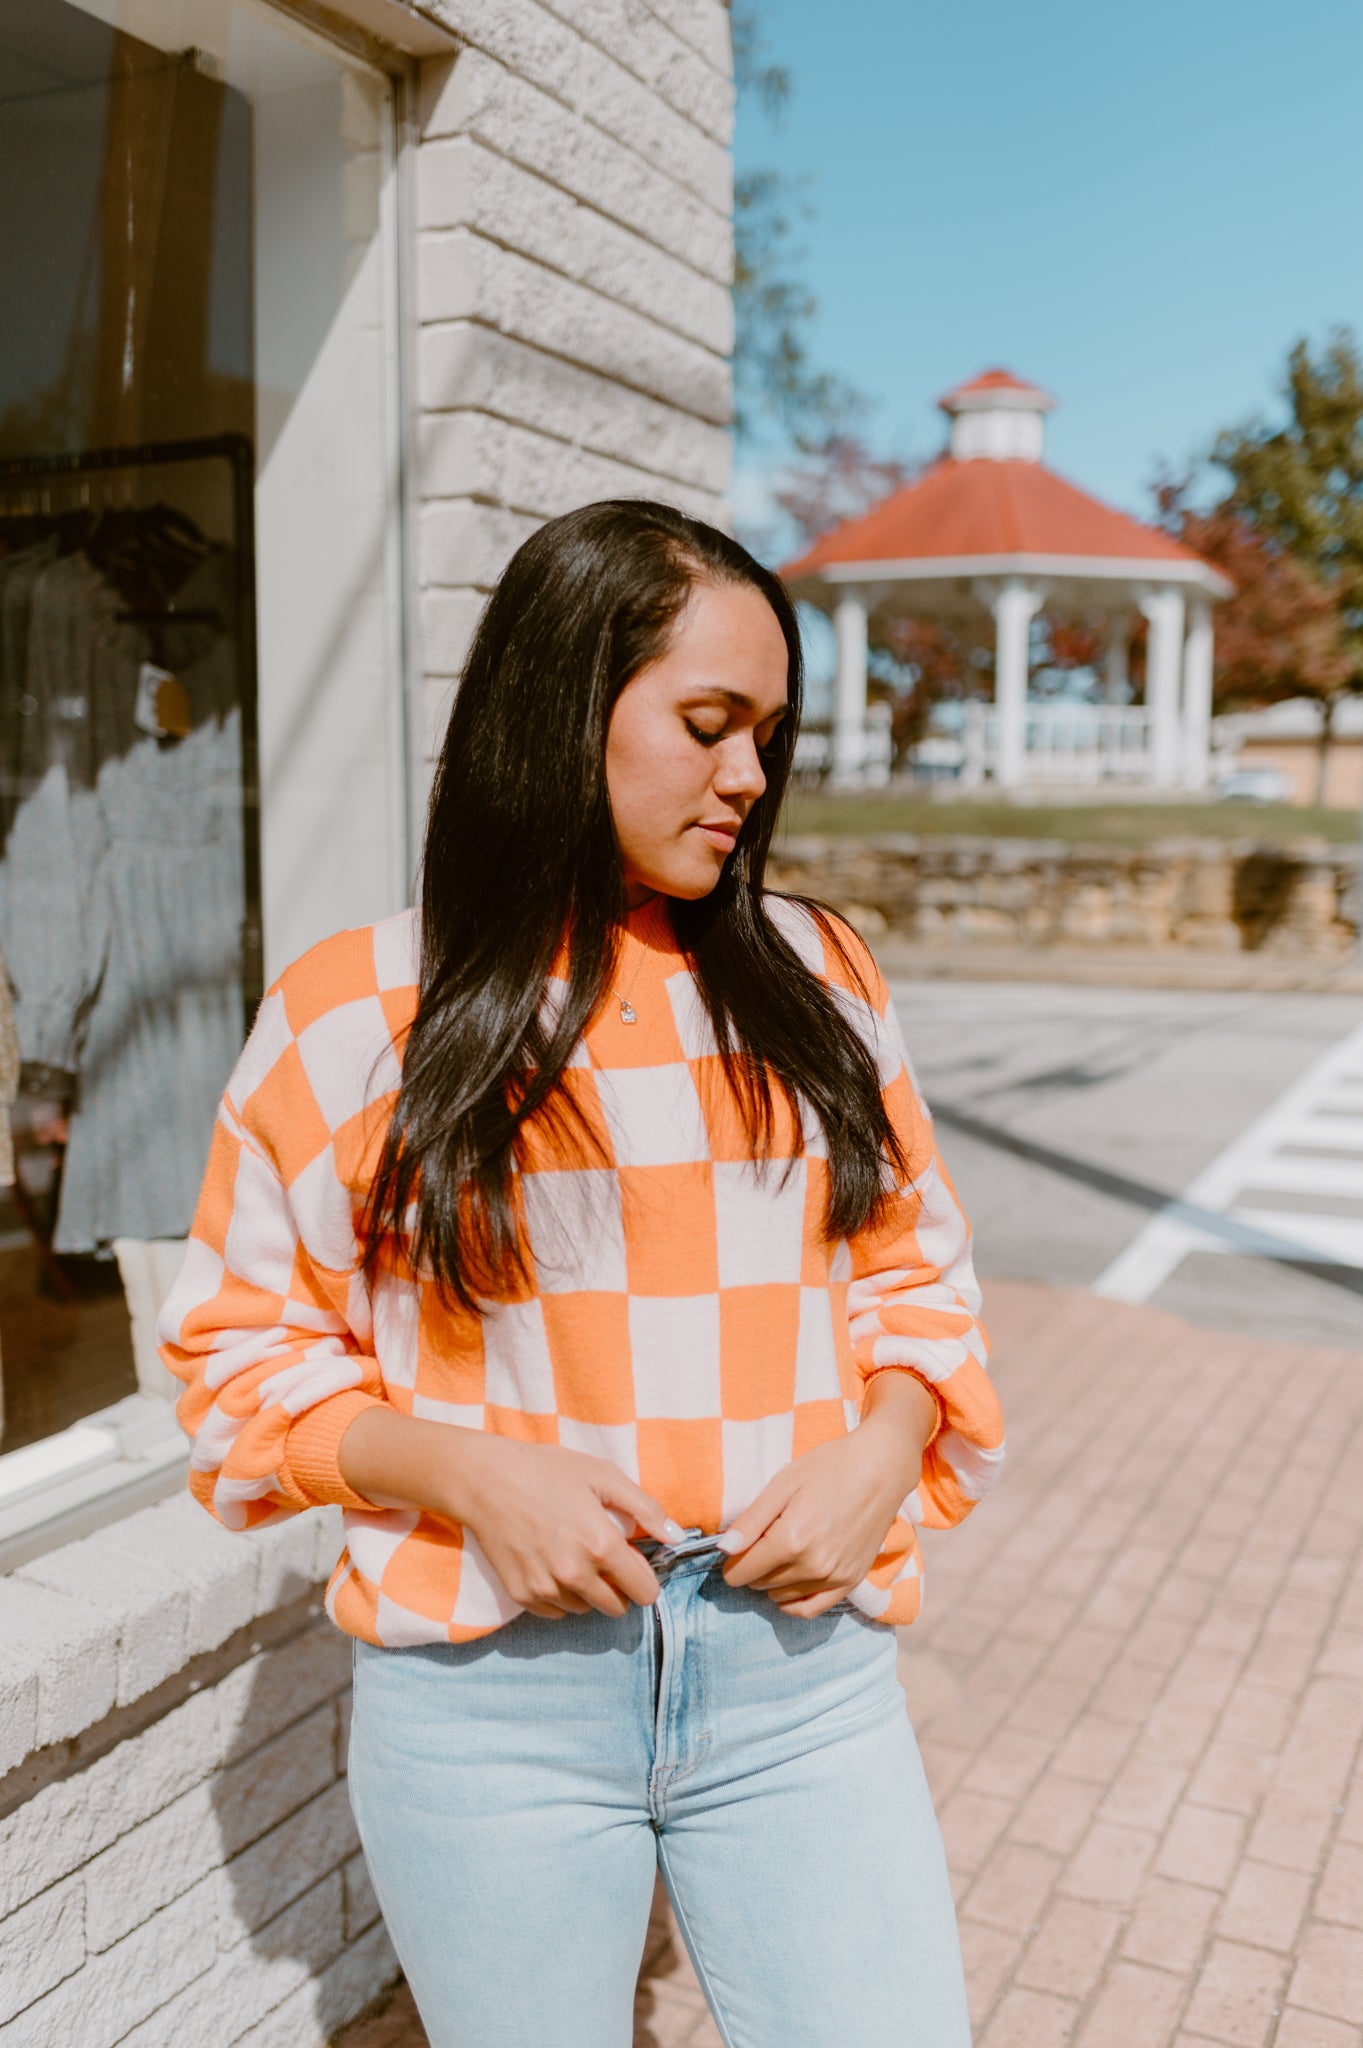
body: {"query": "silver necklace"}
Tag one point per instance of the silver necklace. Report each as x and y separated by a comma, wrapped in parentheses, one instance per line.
(628, 1013)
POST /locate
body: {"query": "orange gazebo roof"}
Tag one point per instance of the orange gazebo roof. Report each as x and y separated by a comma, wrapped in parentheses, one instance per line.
(959, 513)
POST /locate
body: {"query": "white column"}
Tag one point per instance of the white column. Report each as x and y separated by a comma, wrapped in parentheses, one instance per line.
(1163, 664)
(1197, 695)
(1116, 671)
(849, 711)
(972, 767)
(1014, 609)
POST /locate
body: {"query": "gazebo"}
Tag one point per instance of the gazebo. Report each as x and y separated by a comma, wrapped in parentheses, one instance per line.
(989, 525)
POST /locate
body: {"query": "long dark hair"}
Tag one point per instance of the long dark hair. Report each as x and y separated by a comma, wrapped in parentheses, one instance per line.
(521, 856)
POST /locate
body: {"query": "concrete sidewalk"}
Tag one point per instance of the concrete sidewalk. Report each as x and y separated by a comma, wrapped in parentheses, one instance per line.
(1138, 1687)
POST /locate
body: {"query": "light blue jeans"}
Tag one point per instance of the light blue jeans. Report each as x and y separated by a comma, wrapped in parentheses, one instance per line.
(516, 1795)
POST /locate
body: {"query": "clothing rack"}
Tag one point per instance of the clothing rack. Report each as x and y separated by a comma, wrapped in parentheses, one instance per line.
(237, 451)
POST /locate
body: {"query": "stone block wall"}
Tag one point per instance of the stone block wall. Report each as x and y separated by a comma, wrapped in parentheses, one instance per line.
(178, 1861)
(573, 263)
(1223, 896)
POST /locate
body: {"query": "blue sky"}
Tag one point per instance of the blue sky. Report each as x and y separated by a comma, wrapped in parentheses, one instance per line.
(1140, 207)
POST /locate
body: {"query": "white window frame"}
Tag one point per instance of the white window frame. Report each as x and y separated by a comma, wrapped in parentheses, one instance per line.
(134, 1453)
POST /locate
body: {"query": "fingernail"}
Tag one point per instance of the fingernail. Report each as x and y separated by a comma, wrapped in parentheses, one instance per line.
(674, 1531)
(731, 1542)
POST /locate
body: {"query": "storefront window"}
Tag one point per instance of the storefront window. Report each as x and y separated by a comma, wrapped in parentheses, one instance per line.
(201, 734)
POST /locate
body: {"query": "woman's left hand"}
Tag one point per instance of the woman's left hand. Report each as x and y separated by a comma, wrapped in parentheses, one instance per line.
(816, 1529)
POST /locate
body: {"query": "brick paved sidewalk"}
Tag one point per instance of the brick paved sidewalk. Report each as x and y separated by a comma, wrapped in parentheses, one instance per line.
(1138, 1686)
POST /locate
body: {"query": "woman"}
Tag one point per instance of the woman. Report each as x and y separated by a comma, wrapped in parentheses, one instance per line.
(583, 1236)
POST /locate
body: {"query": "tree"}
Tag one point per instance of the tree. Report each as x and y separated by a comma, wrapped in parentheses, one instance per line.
(920, 664)
(775, 376)
(837, 479)
(1298, 489)
(835, 474)
(1279, 634)
(1072, 643)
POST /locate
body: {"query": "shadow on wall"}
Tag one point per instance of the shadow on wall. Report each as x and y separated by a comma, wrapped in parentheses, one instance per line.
(1263, 886)
(305, 1947)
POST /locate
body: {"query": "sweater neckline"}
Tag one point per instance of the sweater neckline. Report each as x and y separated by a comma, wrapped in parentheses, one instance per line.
(650, 926)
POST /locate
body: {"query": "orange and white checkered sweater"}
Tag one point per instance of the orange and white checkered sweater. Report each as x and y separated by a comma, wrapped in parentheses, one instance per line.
(688, 1320)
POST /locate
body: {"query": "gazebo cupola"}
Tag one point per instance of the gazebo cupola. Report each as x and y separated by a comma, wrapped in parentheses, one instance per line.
(998, 417)
(989, 526)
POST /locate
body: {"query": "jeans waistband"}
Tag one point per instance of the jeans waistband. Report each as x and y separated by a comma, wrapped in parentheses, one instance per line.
(696, 1552)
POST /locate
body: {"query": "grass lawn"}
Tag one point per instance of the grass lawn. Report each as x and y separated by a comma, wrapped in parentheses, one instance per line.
(1116, 823)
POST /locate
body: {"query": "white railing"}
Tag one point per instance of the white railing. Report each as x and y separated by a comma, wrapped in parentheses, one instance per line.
(868, 756)
(813, 752)
(1064, 743)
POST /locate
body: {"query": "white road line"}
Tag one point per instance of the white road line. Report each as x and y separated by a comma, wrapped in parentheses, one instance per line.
(1290, 1174)
(1210, 1216)
(1338, 1240)
(1329, 1133)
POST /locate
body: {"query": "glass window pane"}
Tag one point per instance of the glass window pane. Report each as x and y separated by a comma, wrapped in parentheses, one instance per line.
(201, 752)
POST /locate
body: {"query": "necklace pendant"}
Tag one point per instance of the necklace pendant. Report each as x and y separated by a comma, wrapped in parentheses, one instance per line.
(628, 1013)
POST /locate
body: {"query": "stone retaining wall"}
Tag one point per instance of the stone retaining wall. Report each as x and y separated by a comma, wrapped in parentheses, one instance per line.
(1234, 896)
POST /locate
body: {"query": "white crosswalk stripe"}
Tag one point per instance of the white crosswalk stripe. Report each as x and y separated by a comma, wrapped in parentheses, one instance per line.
(1332, 1133)
(1308, 1145)
(1294, 1175)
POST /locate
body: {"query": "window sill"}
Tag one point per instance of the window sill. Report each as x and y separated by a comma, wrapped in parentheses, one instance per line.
(68, 1485)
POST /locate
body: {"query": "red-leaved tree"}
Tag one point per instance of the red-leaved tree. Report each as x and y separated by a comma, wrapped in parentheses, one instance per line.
(1073, 642)
(1281, 633)
(839, 478)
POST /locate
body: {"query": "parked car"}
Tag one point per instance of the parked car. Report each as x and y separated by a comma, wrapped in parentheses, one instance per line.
(1254, 786)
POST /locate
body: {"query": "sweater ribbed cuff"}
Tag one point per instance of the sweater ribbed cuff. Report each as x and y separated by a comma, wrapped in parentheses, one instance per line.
(311, 1465)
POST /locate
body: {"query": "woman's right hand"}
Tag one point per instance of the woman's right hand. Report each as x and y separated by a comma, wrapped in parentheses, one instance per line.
(550, 1521)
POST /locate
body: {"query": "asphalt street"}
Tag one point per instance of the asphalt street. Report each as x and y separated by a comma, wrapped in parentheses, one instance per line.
(1201, 1151)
